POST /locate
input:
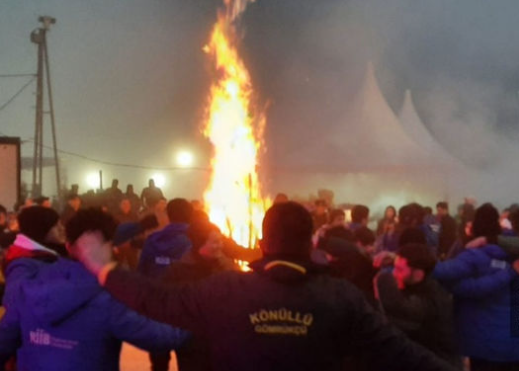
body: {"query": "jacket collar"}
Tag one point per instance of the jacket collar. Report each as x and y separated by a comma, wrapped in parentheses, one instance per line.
(24, 242)
(283, 269)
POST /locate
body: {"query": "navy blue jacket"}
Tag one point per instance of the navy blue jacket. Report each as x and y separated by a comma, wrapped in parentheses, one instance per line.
(63, 320)
(163, 248)
(481, 280)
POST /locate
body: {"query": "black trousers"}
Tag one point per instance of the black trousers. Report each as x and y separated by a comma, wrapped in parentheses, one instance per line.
(160, 361)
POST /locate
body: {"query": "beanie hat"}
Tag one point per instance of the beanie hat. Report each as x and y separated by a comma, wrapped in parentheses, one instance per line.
(287, 231)
(36, 222)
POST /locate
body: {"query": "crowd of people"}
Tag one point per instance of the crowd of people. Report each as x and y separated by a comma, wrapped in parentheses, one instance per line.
(421, 290)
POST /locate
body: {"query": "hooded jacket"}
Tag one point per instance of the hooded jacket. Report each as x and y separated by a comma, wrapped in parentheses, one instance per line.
(481, 280)
(22, 262)
(283, 316)
(162, 248)
(63, 320)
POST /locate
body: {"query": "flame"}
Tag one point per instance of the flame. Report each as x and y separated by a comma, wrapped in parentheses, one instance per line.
(233, 199)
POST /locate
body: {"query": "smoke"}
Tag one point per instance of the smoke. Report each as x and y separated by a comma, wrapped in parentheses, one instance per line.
(456, 57)
(461, 117)
(236, 7)
(145, 83)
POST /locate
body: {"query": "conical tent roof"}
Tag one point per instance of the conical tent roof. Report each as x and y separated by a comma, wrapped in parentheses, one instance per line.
(372, 136)
(416, 129)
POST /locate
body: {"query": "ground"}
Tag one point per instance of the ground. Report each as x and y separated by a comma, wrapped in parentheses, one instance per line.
(134, 359)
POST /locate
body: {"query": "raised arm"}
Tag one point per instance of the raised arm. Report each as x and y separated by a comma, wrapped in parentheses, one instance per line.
(177, 306)
(127, 325)
(479, 287)
(455, 269)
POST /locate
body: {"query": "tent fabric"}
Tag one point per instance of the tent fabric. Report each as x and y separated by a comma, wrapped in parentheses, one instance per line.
(417, 130)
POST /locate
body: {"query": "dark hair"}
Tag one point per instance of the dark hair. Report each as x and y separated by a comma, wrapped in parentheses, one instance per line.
(486, 223)
(442, 205)
(427, 210)
(411, 235)
(418, 256)
(411, 214)
(36, 222)
(358, 213)
(514, 207)
(90, 220)
(335, 213)
(199, 232)
(365, 236)
(390, 207)
(179, 210)
(514, 219)
(40, 200)
(280, 197)
(287, 231)
(3, 210)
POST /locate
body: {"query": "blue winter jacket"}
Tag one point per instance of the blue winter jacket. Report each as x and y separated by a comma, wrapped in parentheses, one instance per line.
(162, 248)
(63, 320)
(481, 281)
(16, 273)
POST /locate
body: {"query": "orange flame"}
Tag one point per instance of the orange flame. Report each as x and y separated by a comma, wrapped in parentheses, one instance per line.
(233, 199)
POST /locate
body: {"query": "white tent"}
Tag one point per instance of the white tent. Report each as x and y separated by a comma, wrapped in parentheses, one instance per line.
(370, 158)
(417, 130)
(371, 138)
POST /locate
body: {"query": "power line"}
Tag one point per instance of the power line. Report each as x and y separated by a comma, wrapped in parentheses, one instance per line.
(18, 75)
(130, 165)
(16, 94)
(103, 162)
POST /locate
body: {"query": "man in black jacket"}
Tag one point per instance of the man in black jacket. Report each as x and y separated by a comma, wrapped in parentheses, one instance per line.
(417, 304)
(448, 229)
(283, 316)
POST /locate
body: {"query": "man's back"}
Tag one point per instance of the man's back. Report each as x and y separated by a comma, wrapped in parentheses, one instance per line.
(423, 312)
(163, 248)
(279, 318)
(63, 320)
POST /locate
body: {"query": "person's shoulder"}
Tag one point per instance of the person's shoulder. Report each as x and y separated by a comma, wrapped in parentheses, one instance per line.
(231, 279)
(493, 251)
(335, 289)
(23, 266)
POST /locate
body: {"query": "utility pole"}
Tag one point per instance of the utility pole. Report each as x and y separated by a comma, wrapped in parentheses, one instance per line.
(39, 37)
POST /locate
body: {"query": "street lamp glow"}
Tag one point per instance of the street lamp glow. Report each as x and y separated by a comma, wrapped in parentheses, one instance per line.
(185, 159)
(160, 179)
(93, 180)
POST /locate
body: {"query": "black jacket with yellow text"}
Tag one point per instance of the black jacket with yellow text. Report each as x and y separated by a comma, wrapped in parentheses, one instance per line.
(282, 316)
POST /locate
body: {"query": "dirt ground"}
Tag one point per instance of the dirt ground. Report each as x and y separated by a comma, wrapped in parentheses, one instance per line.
(134, 359)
